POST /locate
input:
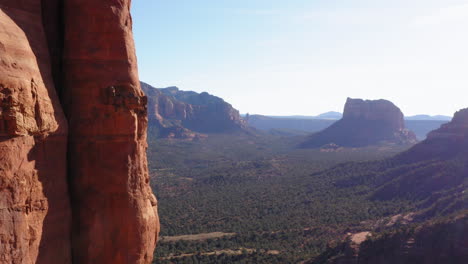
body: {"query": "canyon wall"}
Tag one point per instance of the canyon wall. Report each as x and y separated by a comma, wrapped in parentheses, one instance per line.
(83, 52)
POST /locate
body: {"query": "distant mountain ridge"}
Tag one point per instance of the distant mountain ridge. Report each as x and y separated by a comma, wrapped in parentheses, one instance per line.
(428, 117)
(297, 126)
(364, 123)
(332, 115)
(185, 114)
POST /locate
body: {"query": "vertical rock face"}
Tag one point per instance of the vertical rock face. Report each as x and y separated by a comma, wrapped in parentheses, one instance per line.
(364, 123)
(375, 110)
(114, 211)
(114, 208)
(34, 207)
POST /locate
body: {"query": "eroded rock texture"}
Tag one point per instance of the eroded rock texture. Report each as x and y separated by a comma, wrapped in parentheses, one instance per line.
(34, 206)
(114, 211)
(115, 218)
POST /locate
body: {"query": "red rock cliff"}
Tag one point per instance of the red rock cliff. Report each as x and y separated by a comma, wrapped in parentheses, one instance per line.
(380, 110)
(114, 208)
(114, 211)
(35, 214)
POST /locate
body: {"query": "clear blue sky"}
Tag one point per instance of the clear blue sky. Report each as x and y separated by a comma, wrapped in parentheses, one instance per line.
(305, 57)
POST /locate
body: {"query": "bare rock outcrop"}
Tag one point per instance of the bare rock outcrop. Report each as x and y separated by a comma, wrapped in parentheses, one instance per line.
(92, 66)
(35, 216)
(115, 209)
(364, 123)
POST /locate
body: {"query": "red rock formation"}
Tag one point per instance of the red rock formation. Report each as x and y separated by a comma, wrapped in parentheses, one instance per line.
(166, 114)
(365, 123)
(432, 175)
(113, 205)
(375, 110)
(186, 114)
(34, 206)
(115, 219)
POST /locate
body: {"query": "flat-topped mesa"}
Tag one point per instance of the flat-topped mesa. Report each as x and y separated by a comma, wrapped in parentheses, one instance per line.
(364, 123)
(457, 129)
(375, 110)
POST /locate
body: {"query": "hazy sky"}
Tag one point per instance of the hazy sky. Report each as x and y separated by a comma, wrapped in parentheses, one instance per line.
(306, 57)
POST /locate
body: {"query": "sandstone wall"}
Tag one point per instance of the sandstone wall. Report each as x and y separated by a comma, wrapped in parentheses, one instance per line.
(114, 208)
(35, 213)
(84, 52)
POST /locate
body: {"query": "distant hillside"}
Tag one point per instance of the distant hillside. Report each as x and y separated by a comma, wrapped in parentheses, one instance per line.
(422, 127)
(437, 242)
(330, 115)
(267, 123)
(186, 114)
(434, 175)
(364, 123)
(428, 117)
(297, 126)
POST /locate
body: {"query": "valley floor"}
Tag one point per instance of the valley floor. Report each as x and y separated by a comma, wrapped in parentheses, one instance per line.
(258, 199)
